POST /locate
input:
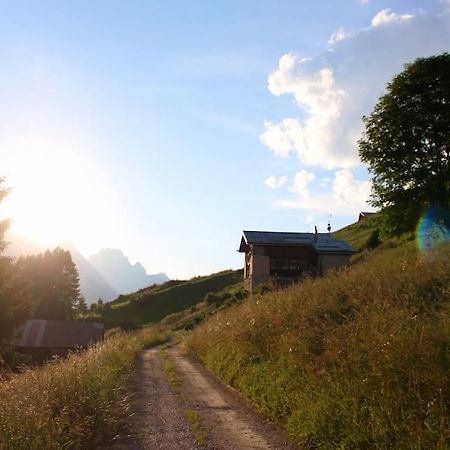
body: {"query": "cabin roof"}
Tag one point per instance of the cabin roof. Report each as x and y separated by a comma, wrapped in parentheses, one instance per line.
(366, 214)
(322, 242)
(59, 333)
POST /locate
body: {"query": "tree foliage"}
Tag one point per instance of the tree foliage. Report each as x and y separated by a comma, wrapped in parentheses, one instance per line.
(54, 283)
(406, 142)
(16, 303)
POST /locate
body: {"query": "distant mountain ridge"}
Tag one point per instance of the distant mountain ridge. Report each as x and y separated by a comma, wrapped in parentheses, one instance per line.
(92, 284)
(116, 276)
(123, 276)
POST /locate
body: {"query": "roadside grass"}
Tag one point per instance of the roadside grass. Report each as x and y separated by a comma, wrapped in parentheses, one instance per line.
(357, 359)
(196, 424)
(77, 402)
(171, 373)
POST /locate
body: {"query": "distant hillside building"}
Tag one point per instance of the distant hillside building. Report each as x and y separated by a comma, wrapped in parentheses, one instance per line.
(43, 339)
(286, 258)
(363, 215)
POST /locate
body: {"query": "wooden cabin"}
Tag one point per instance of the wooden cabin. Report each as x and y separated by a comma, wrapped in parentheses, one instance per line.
(286, 258)
(44, 339)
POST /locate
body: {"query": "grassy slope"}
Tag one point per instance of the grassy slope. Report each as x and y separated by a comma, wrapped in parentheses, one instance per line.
(154, 303)
(357, 359)
(358, 233)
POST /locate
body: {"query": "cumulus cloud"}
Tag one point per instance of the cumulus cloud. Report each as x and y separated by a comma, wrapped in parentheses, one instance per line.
(336, 88)
(281, 138)
(348, 196)
(337, 36)
(274, 182)
(301, 181)
(348, 192)
(386, 16)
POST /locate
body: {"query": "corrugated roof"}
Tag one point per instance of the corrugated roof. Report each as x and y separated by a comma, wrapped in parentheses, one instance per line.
(60, 334)
(322, 242)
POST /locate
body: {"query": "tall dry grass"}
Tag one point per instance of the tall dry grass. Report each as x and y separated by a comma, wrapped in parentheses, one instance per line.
(78, 402)
(358, 359)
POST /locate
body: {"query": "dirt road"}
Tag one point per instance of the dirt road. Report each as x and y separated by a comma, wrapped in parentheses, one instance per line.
(218, 416)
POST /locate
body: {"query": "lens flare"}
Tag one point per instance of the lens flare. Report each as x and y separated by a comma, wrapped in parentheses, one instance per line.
(433, 229)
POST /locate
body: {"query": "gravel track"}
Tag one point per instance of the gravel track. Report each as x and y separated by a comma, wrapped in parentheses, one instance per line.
(159, 422)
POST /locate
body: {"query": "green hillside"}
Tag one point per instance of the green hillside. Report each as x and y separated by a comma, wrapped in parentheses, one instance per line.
(357, 359)
(152, 304)
(174, 297)
(358, 234)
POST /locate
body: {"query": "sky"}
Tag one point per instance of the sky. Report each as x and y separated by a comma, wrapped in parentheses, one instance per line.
(165, 128)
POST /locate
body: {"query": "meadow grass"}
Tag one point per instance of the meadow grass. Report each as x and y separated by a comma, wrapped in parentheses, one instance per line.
(195, 421)
(73, 403)
(358, 234)
(357, 359)
(150, 305)
(171, 373)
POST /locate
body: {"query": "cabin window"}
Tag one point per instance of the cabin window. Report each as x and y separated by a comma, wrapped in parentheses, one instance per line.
(279, 264)
(283, 267)
(298, 265)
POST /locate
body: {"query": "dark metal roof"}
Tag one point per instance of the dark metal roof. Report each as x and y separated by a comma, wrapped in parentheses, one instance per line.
(60, 334)
(322, 242)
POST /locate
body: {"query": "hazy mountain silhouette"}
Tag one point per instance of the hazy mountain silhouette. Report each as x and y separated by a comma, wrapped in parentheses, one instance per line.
(92, 284)
(105, 275)
(123, 276)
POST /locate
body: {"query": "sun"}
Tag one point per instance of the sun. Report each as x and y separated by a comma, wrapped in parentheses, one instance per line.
(58, 196)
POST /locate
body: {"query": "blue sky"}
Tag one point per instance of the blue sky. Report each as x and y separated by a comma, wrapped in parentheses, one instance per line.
(164, 128)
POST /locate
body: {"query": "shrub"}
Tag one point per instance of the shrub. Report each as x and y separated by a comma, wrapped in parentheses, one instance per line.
(211, 298)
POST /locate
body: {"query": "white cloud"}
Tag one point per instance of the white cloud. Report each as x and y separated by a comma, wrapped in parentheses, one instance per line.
(386, 16)
(274, 182)
(301, 181)
(348, 196)
(336, 88)
(315, 91)
(349, 192)
(337, 36)
(281, 138)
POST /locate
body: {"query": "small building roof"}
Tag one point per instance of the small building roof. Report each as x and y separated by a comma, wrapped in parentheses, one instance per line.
(60, 334)
(321, 242)
(365, 215)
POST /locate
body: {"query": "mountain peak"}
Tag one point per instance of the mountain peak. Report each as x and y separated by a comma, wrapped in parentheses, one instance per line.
(125, 277)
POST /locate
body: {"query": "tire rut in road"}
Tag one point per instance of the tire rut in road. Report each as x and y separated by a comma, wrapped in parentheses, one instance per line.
(158, 421)
(228, 421)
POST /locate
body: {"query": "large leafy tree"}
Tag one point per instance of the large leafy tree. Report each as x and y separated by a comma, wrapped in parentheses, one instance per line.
(406, 143)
